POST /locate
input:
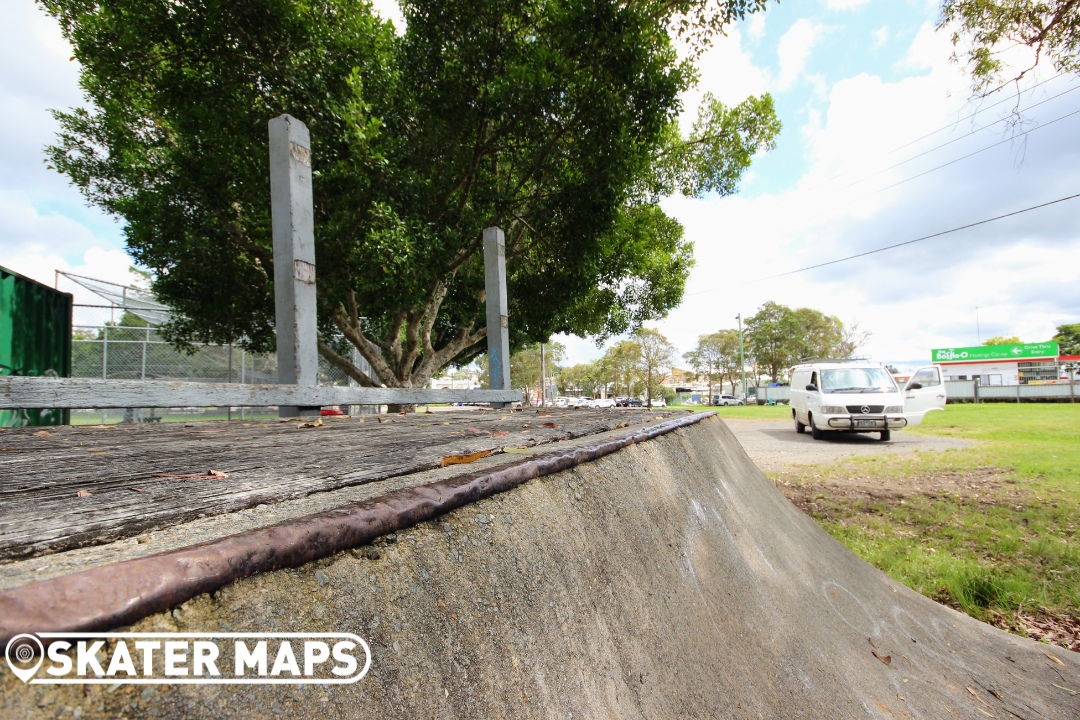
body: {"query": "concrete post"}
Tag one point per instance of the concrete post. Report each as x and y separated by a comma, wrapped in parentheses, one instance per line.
(498, 332)
(293, 223)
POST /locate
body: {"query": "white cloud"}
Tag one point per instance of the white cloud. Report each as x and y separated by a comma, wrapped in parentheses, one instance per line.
(793, 52)
(755, 29)
(1023, 273)
(844, 4)
(881, 37)
(728, 72)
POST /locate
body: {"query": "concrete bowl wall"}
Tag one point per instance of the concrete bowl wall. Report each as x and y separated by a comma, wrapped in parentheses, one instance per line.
(667, 580)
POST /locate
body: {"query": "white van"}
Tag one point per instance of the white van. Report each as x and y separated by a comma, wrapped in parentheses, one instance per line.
(862, 397)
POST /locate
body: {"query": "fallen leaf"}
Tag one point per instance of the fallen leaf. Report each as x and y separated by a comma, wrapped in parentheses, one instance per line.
(518, 450)
(887, 659)
(83, 493)
(478, 431)
(1058, 661)
(216, 474)
(464, 459)
(500, 433)
(316, 423)
(138, 489)
(620, 426)
(550, 425)
(25, 487)
(42, 433)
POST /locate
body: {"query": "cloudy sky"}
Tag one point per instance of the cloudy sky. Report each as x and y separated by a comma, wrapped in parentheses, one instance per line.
(880, 146)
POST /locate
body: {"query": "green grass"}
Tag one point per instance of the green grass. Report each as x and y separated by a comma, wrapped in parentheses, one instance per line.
(1014, 549)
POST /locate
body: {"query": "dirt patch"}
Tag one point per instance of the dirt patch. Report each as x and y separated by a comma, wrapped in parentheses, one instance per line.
(815, 496)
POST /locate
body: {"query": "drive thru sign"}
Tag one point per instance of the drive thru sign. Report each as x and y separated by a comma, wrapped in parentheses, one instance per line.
(996, 352)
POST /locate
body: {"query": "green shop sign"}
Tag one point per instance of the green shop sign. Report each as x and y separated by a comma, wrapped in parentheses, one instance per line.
(996, 352)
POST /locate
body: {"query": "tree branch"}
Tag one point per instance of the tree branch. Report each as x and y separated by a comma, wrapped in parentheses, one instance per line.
(345, 365)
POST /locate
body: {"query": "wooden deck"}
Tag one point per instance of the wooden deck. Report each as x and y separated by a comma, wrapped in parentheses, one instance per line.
(68, 487)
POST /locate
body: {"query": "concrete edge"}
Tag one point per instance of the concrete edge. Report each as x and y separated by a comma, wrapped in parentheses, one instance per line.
(122, 593)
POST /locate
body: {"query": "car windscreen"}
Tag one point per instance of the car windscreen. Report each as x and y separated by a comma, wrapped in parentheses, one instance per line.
(857, 380)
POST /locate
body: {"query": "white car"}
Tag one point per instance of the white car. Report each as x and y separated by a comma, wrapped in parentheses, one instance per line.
(861, 397)
(727, 400)
(603, 403)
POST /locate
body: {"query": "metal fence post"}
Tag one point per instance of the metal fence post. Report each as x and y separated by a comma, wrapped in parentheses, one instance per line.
(293, 222)
(498, 329)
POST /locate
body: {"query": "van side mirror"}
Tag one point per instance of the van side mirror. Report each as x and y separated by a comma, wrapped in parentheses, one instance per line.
(915, 386)
(811, 387)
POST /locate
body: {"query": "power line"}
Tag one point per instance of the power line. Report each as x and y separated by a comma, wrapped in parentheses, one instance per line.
(946, 127)
(957, 139)
(896, 245)
(927, 172)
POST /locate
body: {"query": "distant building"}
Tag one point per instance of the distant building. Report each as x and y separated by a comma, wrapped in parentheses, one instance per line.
(1023, 364)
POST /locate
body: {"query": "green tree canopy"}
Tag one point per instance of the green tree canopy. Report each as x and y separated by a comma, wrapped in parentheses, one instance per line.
(779, 337)
(621, 366)
(716, 357)
(984, 29)
(1003, 340)
(1068, 339)
(553, 119)
(657, 355)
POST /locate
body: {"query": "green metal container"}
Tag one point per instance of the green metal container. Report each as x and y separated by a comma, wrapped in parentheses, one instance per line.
(35, 339)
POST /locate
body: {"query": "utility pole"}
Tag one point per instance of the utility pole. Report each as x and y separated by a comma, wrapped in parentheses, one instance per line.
(978, 330)
(543, 378)
(742, 359)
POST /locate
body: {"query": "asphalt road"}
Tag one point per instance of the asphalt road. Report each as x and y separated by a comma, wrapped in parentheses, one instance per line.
(774, 445)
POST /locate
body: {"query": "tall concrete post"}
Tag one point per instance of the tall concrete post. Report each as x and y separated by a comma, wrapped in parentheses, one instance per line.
(293, 222)
(498, 330)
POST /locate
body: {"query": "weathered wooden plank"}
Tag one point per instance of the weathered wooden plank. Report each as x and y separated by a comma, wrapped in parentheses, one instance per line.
(45, 392)
(130, 471)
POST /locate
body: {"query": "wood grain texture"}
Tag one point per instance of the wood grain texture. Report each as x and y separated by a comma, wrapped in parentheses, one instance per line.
(44, 392)
(130, 471)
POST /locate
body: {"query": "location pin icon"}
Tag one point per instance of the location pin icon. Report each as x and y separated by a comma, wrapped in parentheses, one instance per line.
(21, 650)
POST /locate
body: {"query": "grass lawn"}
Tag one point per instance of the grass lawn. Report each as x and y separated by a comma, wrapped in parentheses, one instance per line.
(991, 529)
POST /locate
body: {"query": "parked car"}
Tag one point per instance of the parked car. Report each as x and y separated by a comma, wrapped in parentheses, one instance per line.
(861, 397)
(726, 400)
(657, 402)
(603, 403)
(635, 402)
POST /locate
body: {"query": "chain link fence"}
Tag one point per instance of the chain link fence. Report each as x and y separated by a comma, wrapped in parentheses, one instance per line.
(141, 353)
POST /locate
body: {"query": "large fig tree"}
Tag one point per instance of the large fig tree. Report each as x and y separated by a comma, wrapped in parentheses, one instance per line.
(553, 119)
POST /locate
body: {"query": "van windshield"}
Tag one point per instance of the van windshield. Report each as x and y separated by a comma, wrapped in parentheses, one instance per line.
(857, 380)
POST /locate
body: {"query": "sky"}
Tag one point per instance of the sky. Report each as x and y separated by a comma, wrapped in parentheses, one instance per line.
(881, 145)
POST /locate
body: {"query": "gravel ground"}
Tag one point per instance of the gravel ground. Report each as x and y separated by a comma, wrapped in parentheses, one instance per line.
(774, 445)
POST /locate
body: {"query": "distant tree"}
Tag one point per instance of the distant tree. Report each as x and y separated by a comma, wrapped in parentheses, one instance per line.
(705, 359)
(1068, 339)
(779, 337)
(984, 29)
(1003, 340)
(622, 366)
(657, 354)
(772, 337)
(715, 357)
(893, 369)
(583, 379)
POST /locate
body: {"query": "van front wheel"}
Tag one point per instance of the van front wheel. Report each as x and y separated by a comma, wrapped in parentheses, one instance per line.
(815, 432)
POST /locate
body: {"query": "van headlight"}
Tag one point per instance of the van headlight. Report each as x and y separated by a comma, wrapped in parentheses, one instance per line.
(832, 410)
(894, 409)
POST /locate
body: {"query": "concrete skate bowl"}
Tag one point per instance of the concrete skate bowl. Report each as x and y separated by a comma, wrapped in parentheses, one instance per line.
(669, 579)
